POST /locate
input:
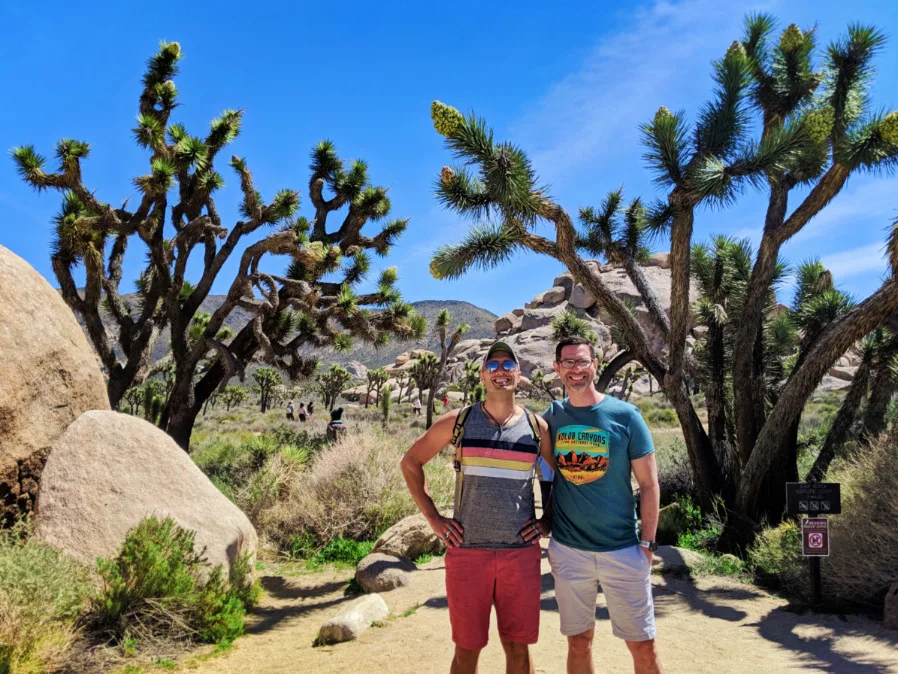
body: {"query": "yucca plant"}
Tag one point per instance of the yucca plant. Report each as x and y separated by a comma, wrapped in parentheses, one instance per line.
(287, 313)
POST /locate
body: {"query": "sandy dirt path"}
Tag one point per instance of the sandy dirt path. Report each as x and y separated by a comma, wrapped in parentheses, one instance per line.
(704, 625)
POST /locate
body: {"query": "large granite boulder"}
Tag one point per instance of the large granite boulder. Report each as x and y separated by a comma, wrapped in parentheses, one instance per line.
(381, 573)
(108, 471)
(48, 376)
(356, 369)
(354, 619)
(677, 561)
(410, 537)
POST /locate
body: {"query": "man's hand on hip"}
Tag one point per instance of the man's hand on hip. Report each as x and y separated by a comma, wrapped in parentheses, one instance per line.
(450, 531)
(533, 530)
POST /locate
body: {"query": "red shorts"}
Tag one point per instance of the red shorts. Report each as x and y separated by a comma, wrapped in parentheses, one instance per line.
(476, 579)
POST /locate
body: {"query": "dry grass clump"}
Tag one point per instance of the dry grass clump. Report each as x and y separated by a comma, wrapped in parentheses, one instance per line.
(864, 539)
(42, 595)
(354, 489)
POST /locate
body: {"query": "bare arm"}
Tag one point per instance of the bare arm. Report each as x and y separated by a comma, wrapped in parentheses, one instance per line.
(544, 524)
(646, 471)
(423, 450)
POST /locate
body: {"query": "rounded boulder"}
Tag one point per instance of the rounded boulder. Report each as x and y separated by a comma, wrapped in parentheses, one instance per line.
(109, 471)
(381, 573)
(49, 375)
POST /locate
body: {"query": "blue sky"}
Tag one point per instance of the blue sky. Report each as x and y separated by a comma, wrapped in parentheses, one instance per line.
(570, 82)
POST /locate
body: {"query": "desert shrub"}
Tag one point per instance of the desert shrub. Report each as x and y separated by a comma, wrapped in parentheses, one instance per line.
(338, 552)
(354, 490)
(674, 471)
(864, 539)
(702, 531)
(661, 417)
(159, 586)
(42, 594)
(775, 558)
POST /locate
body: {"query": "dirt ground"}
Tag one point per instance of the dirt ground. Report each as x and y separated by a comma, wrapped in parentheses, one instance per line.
(705, 624)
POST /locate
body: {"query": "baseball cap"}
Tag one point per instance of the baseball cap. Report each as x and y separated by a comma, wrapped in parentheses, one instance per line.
(500, 346)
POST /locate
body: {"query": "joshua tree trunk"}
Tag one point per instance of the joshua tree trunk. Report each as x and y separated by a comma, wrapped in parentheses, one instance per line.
(835, 340)
(841, 427)
(614, 366)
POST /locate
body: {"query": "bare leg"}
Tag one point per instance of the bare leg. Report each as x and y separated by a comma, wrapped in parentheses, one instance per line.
(517, 658)
(645, 657)
(579, 653)
(465, 661)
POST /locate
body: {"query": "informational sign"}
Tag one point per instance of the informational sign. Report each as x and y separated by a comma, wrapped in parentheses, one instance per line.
(815, 537)
(813, 498)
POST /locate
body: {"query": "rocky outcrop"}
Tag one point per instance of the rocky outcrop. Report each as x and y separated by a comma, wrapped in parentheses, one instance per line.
(48, 376)
(410, 537)
(108, 471)
(354, 619)
(379, 572)
(356, 369)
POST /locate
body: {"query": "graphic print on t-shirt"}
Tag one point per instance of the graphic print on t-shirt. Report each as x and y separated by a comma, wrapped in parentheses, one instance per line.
(581, 453)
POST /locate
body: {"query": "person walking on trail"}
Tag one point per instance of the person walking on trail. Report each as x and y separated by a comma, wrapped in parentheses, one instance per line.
(290, 411)
(416, 406)
(336, 427)
(493, 556)
(311, 407)
(302, 412)
(597, 441)
(445, 402)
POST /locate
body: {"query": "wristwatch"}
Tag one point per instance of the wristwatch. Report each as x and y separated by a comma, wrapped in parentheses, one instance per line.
(651, 545)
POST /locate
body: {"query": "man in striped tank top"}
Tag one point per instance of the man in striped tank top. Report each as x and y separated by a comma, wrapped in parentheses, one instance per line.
(493, 555)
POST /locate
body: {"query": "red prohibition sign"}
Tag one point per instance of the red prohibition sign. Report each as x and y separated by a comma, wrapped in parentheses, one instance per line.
(815, 540)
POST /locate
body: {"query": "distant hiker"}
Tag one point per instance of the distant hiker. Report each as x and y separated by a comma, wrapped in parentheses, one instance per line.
(416, 406)
(290, 411)
(311, 407)
(302, 412)
(597, 441)
(336, 426)
(445, 402)
(493, 537)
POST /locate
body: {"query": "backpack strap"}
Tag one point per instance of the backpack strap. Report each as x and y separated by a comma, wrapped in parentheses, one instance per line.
(534, 428)
(458, 433)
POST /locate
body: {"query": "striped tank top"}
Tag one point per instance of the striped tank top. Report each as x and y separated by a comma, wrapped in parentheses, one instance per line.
(494, 487)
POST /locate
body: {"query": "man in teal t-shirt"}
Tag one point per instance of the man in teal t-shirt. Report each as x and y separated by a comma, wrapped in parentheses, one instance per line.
(597, 442)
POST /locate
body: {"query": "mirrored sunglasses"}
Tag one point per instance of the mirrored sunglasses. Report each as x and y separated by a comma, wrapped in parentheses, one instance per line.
(507, 365)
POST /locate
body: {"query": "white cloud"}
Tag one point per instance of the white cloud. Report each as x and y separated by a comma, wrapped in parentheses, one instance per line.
(856, 261)
(594, 112)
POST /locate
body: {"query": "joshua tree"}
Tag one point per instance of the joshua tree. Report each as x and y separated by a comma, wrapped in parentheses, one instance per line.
(134, 397)
(470, 377)
(266, 378)
(541, 384)
(403, 379)
(332, 384)
(288, 312)
(708, 164)
(386, 404)
(426, 373)
(234, 396)
(376, 379)
(883, 385)
(447, 346)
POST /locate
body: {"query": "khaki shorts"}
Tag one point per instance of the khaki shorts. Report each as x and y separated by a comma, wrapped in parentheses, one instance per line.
(625, 577)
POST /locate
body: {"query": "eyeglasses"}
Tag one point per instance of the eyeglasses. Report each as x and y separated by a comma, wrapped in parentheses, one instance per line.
(507, 365)
(570, 364)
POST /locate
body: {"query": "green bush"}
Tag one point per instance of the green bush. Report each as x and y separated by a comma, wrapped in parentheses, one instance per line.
(42, 594)
(662, 417)
(156, 587)
(775, 557)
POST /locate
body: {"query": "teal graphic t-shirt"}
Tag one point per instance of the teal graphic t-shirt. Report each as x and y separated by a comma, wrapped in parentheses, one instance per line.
(592, 498)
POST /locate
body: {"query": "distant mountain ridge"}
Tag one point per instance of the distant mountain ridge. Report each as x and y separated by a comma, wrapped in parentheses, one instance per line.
(481, 321)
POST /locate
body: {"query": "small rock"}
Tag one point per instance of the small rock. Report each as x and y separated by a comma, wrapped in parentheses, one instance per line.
(507, 322)
(380, 573)
(890, 612)
(402, 359)
(518, 311)
(671, 523)
(410, 537)
(674, 560)
(354, 619)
